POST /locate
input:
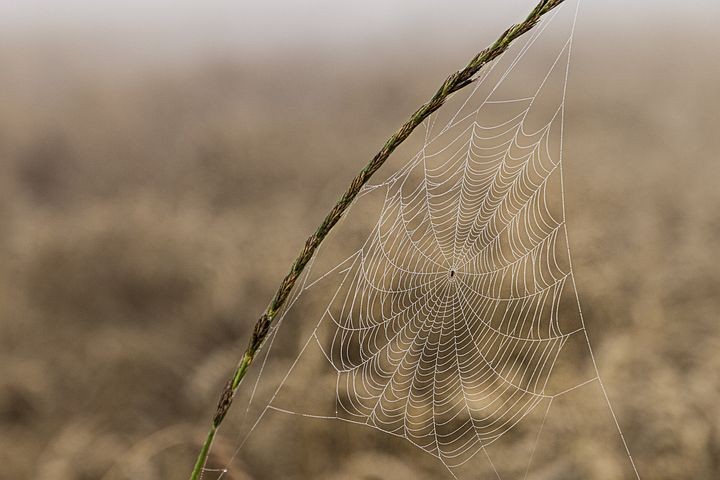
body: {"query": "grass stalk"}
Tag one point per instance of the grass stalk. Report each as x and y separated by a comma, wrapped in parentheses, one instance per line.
(456, 81)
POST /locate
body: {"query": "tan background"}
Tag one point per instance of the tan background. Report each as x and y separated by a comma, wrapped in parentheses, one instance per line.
(157, 176)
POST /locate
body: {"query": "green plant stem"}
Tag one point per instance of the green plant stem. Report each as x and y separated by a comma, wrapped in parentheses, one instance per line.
(452, 84)
(203, 455)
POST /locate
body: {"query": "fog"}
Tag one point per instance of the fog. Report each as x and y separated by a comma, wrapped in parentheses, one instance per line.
(252, 28)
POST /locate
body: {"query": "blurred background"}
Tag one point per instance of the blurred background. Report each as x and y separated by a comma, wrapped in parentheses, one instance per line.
(161, 163)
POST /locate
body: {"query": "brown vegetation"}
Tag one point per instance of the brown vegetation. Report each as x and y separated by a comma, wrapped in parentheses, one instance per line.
(145, 220)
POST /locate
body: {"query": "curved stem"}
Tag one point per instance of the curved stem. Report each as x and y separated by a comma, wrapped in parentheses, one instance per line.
(204, 452)
(452, 84)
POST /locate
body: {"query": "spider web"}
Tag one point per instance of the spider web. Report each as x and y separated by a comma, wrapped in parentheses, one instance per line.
(446, 325)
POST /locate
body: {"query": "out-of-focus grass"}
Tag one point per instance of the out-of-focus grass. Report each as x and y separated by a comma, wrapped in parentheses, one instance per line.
(136, 249)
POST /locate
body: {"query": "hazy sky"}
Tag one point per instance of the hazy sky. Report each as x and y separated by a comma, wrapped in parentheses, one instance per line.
(279, 24)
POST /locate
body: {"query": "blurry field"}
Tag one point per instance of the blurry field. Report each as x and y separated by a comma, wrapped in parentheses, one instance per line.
(147, 213)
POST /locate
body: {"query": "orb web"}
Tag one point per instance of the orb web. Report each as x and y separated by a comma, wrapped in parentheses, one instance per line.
(446, 325)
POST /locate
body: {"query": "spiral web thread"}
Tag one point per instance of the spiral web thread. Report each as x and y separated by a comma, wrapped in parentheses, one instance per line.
(447, 323)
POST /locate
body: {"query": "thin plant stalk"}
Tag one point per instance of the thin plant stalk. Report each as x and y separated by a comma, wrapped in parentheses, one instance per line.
(452, 84)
